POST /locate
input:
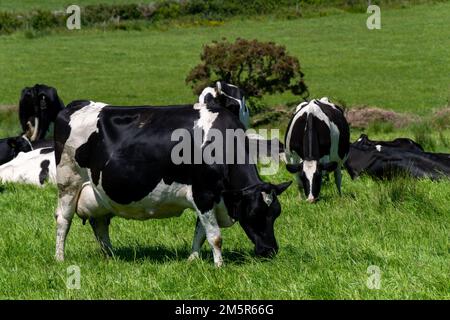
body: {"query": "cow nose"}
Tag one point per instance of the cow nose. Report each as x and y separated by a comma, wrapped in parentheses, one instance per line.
(267, 252)
(311, 199)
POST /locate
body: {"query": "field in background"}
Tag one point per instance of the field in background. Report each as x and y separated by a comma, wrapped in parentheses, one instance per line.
(325, 249)
(404, 66)
(27, 5)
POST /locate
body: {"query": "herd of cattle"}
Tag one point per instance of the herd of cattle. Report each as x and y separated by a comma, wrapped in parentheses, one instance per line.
(116, 161)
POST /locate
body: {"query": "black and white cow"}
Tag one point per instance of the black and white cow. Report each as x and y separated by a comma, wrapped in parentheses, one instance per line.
(117, 161)
(38, 108)
(317, 140)
(388, 159)
(399, 143)
(35, 167)
(229, 96)
(11, 147)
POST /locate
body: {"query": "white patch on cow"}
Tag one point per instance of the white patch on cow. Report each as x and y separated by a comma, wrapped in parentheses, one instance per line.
(325, 100)
(205, 121)
(359, 140)
(267, 198)
(26, 167)
(301, 105)
(205, 92)
(378, 147)
(163, 201)
(309, 168)
(83, 123)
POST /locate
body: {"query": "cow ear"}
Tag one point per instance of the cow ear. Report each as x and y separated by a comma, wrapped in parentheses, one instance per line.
(280, 188)
(328, 167)
(268, 197)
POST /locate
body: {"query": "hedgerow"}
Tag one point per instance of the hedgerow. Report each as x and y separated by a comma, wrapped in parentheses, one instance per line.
(175, 9)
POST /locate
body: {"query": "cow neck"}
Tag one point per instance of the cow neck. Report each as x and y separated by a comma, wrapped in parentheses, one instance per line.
(242, 176)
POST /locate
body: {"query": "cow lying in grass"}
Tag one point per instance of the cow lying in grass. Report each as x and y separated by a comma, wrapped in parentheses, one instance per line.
(387, 159)
(33, 167)
(11, 147)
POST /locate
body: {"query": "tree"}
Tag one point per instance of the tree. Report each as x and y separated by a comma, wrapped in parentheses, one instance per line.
(258, 68)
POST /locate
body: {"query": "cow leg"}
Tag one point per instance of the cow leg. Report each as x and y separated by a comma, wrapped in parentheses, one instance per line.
(299, 185)
(212, 230)
(63, 215)
(199, 239)
(338, 178)
(101, 231)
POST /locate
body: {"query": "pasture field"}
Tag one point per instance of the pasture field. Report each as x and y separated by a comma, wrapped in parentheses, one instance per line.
(325, 249)
(27, 5)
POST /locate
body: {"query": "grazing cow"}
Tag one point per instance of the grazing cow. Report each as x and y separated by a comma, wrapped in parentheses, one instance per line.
(34, 167)
(387, 160)
(229, 96)
(317, 140)
(118, 161)
(11, 147)
(38, 108)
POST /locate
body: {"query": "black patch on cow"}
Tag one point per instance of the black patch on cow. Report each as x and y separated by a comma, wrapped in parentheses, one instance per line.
(43, 175)
(338, 118)
(46, 150)
(11, 147)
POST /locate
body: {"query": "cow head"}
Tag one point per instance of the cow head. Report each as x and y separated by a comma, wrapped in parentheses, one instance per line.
(310, 174)
(38, 108)
(230, 97)
(11, 147)
(256, 209)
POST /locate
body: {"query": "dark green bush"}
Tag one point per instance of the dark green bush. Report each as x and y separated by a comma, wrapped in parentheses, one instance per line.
(9, 22)
(258, 68)
(41, 20)
(100, 13)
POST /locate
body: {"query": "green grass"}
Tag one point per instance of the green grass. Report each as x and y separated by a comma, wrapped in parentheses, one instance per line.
(325, 249)
(401, 227)
(404, 66)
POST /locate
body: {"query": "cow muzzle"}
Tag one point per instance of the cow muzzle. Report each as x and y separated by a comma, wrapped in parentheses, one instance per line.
(266, 251)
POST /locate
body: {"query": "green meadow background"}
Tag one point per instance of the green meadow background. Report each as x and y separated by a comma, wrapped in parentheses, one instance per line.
(400, 226)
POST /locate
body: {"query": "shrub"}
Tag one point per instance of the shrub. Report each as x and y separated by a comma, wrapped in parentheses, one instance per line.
(9, 22)
(258, 68)
(102, 13)
(41, 20)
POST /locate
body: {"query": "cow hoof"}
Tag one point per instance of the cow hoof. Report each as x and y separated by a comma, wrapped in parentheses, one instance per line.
(59, 258)
(219, 264)
(194, 256)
